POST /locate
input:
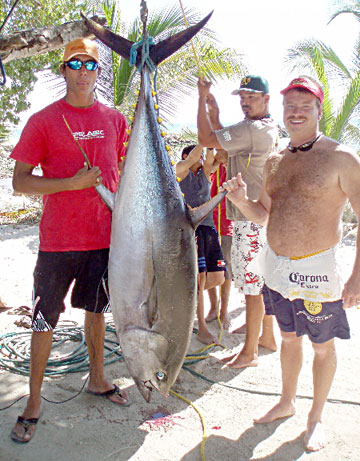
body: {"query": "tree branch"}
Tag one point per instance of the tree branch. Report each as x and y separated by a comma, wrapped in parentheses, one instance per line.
(28, 43)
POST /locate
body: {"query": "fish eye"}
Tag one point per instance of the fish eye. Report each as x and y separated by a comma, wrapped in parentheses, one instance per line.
(160, 375)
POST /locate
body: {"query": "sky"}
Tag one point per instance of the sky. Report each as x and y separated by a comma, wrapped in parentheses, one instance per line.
(260, 30)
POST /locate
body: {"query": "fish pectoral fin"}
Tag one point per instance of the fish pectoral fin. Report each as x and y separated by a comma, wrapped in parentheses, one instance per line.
(106, 196)
(198, 214)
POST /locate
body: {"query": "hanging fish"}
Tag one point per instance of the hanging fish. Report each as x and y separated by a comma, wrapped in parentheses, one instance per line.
(153, 259)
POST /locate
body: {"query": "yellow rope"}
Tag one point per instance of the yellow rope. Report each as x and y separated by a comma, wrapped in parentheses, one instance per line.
(202, 447)
(247, 165)
(193, 47)
(307, 256)
(219, 235)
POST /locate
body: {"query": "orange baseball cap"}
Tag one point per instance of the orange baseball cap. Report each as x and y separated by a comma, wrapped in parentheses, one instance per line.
(81, 46)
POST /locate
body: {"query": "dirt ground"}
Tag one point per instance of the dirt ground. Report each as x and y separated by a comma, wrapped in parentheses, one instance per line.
(92, 428)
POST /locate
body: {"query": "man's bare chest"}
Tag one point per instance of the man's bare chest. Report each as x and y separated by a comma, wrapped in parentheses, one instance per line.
(300, 175)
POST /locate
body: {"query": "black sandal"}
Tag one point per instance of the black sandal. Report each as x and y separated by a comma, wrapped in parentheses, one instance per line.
(26, 424)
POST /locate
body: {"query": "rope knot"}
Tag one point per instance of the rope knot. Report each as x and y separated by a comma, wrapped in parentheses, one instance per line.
(145, 58)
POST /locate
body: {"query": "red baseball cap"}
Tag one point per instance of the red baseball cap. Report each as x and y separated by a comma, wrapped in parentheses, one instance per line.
(307, 84)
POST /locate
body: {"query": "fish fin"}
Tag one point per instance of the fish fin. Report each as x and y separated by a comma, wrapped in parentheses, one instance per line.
(106, 196)
(198, 214)
(170, 45)
(158, 52)
(152, 304)
(120, 45)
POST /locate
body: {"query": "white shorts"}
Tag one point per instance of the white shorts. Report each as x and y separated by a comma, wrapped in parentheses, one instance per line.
(247, 241)
(314, 278)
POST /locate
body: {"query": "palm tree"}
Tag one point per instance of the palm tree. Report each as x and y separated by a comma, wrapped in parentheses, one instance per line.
(340, 119)
(178, 74)
(352, 7)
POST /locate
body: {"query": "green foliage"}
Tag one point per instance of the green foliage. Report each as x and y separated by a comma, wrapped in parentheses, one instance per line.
(339, 113)
(177, 76)
(119, 81)
(21, 74)
(349, 7)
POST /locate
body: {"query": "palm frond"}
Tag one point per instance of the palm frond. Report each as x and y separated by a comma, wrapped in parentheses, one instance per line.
(353, 8)
(178, 74)
(351, 136)
(350, 103)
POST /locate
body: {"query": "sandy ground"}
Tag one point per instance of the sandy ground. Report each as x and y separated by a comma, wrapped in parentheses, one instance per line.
(91, 428)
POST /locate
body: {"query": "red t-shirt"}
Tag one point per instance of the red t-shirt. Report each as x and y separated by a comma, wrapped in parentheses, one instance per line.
(74, 220)
(226, 226)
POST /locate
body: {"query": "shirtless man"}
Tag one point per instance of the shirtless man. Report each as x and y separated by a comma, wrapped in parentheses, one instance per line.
(304, 193)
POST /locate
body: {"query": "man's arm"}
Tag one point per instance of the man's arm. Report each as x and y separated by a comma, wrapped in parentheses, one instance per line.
(25, 182)
(211, 163)
(183, 166)
(350, 184)
(206, 134)
(257, 211)
(213, 112)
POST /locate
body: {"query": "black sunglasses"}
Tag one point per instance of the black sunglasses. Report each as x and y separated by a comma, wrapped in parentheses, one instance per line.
(76, 64)
(304, 147)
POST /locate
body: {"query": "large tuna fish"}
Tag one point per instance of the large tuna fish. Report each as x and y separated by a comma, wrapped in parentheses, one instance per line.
(153, 263)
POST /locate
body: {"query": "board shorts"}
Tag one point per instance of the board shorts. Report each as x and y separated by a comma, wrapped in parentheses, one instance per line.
(248, 240)
(317, 277)
(210, 256)
(226, 241)
(53, 275)
(321, 321)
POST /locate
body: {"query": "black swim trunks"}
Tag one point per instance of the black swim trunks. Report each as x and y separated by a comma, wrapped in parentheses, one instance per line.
(320, 321)
(210, 256)
(53, 275)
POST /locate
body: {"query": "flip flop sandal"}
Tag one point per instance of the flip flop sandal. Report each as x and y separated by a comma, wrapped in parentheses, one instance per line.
(109, 393)
(26, 424)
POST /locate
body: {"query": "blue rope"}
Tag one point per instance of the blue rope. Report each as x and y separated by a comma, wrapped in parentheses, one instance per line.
(145, 58)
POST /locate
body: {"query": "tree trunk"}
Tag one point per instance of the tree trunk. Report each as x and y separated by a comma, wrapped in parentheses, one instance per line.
(28, 43)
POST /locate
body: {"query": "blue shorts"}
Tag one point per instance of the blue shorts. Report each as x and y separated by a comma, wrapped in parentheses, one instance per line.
(226, 241)
(210, 256)
(53, 275)
(320, 321)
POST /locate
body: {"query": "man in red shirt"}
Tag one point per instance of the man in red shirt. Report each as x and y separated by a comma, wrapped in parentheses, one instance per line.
(75, 224)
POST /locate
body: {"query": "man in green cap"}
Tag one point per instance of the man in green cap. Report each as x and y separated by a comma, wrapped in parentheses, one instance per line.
(248, 145)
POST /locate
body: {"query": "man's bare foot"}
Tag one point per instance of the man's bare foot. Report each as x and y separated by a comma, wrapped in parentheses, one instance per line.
(212, 315)
(314, 438)
(240, 331)
(225, 322)
(242, 360)
(206, 337)
(228, 358)
(268, 342)
(281, 410)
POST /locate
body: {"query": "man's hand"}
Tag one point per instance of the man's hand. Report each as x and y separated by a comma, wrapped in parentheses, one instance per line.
(212, 106)
(203, 88)
(351, 292)
(237, 189)
(86, 178)
(221, 156)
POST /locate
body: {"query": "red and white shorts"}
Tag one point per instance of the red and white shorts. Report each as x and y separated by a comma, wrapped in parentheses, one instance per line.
(248, 240)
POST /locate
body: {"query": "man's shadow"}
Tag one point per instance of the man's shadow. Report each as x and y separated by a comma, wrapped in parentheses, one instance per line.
(243, 448)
